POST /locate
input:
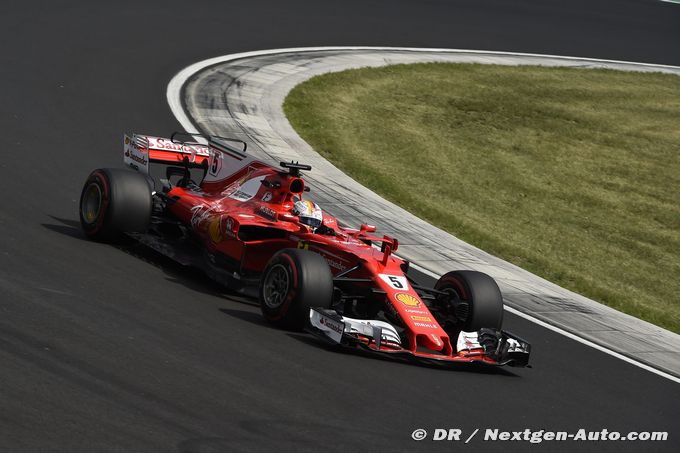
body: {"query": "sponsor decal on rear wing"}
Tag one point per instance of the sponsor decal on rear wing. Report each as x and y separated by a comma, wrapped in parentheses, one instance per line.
(136, 152)
(165, 144)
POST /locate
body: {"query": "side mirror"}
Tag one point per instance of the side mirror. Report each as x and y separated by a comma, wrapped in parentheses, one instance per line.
(365, 228)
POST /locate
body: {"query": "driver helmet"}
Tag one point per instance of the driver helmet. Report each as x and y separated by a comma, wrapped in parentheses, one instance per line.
(310, 213)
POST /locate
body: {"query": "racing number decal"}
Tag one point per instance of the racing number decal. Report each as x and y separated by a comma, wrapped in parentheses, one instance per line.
(395, 281)
(215, 167)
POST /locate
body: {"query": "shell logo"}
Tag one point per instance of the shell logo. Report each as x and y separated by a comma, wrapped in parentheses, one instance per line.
(407, 299)
(215, 230)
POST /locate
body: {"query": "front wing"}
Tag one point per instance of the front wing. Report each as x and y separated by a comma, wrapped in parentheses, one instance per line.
(485, 347)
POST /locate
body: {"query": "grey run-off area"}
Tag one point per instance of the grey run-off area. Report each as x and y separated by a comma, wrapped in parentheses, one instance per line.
(242, 97)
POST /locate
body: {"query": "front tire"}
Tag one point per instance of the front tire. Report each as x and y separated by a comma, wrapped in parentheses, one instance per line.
(114, 201)
(294, 281)
(472, 301)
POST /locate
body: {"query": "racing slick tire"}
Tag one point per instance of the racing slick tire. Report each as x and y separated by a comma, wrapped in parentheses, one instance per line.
(294, 281)
(473, 301)
(114, 201)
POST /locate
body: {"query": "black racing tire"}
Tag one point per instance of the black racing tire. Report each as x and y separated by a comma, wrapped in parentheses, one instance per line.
(294, 281)
(114, 201)
(474, 300)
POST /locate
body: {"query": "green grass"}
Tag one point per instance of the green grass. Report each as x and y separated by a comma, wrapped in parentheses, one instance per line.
(572, 174)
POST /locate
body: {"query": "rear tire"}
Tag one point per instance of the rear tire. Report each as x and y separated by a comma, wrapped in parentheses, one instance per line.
(114, 201)
(294, 281)
(473, 302)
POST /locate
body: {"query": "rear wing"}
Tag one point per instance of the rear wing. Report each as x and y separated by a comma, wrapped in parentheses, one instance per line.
(222, 159)
(139, 150)
(182, 148)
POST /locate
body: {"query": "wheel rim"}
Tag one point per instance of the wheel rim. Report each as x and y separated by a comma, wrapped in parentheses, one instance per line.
(276, 286)
(91, 204)
(456, 307)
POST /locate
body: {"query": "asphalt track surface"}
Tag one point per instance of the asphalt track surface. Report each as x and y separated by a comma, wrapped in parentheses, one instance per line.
(105, 348)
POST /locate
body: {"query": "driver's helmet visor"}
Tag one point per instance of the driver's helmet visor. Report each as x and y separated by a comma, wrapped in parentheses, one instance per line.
(310, 221)
(309, 213)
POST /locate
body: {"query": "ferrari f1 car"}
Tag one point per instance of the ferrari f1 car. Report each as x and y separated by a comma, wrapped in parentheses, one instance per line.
(204, 202)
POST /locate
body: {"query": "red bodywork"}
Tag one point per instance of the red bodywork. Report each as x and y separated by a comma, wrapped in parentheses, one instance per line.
(242, 213)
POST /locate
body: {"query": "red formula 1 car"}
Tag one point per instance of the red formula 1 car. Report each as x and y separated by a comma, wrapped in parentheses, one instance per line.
(250, 226)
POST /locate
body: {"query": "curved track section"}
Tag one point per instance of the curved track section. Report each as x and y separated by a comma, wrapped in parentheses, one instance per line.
(241, 95)
(106, 349)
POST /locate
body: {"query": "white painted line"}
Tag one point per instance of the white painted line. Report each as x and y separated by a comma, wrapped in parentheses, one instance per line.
(174, 97)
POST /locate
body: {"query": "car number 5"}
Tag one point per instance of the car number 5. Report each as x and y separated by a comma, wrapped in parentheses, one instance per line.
(395, 281)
